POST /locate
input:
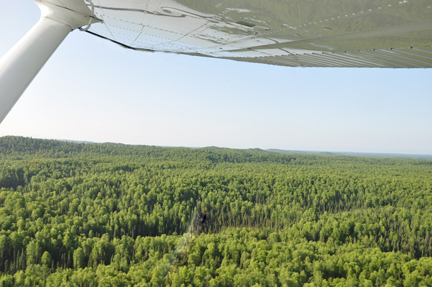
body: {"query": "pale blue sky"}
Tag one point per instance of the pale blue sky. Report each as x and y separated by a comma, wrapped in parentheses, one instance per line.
(93, 90)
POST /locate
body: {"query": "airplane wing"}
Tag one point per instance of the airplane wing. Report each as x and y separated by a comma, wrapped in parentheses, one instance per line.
(296, 33)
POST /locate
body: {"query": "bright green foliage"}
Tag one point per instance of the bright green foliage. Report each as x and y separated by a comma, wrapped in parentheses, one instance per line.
(111, 215)
(46, 259)
(78, 258)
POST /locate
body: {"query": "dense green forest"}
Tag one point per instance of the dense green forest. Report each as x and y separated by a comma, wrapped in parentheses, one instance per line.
(76, 214)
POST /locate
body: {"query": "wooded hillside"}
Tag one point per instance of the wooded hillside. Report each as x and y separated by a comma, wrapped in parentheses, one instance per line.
(116, 215)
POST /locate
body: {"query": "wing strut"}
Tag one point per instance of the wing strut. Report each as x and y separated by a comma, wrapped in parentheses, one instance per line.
(23, 62)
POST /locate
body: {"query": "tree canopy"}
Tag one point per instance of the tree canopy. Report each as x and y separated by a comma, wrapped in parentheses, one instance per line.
(74, 214)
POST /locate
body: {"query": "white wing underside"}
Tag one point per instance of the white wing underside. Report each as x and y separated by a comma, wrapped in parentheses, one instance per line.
(297, 33)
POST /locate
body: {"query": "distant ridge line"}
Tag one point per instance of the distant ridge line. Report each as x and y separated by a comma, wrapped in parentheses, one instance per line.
(364, 154)
(273, 150)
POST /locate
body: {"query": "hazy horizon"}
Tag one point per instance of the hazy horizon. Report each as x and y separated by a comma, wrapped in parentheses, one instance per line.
(425, 156)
